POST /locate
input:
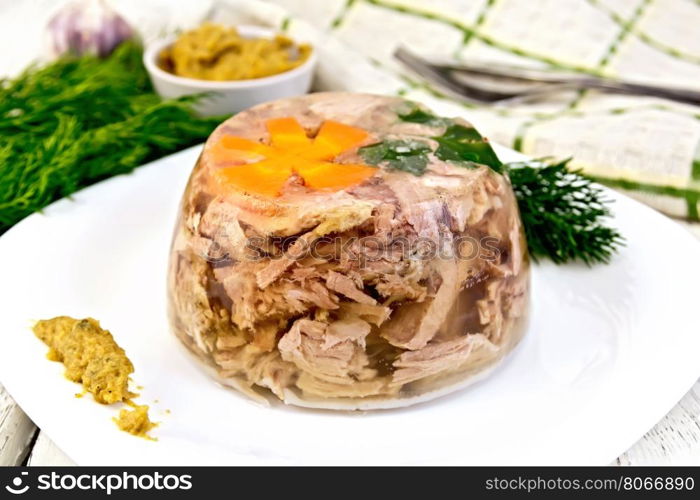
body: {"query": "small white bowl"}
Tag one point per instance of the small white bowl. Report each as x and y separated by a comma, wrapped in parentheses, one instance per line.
(230, 97)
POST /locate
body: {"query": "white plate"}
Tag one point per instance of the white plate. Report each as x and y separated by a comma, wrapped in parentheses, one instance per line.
(609, 350)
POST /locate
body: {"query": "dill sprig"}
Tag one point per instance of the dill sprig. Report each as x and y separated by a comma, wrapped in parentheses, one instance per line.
(80, 120)
(563, 213)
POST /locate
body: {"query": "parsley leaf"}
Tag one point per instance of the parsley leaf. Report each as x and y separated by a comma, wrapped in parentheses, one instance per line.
(418, 115)
(465, 146)
(459, 144)
(402, 154)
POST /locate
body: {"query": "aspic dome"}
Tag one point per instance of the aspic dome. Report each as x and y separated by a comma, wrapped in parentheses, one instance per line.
(343, 250)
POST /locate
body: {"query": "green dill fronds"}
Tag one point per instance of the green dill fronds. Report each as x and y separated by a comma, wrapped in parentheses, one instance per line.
(80, 120)
(563, 213)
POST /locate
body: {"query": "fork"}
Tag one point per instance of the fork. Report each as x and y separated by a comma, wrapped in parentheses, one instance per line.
(503, 84)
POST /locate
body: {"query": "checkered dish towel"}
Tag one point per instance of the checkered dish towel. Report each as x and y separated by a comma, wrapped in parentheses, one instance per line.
(645, 146)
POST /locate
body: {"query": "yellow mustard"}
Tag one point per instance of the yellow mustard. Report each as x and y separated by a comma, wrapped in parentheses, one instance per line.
(215, 52)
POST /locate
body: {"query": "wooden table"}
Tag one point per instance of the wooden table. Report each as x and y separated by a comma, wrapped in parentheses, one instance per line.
(673, 441)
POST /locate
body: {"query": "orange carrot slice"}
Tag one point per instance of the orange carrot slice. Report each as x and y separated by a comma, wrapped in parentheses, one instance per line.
(261, 178)
(334, 138)
(258, 168)
(236, 150)
(240, 144)
(286, 133)
(335, 175)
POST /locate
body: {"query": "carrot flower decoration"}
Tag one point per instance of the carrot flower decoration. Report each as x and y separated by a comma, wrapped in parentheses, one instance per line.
(264, 169)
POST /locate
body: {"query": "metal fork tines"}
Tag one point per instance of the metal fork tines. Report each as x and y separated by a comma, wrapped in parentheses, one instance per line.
(501, 84)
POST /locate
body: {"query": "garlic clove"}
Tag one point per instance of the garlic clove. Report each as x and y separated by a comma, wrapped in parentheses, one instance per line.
(86, 26)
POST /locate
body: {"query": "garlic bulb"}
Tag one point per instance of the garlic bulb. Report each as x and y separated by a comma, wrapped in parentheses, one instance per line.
(86, 26)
